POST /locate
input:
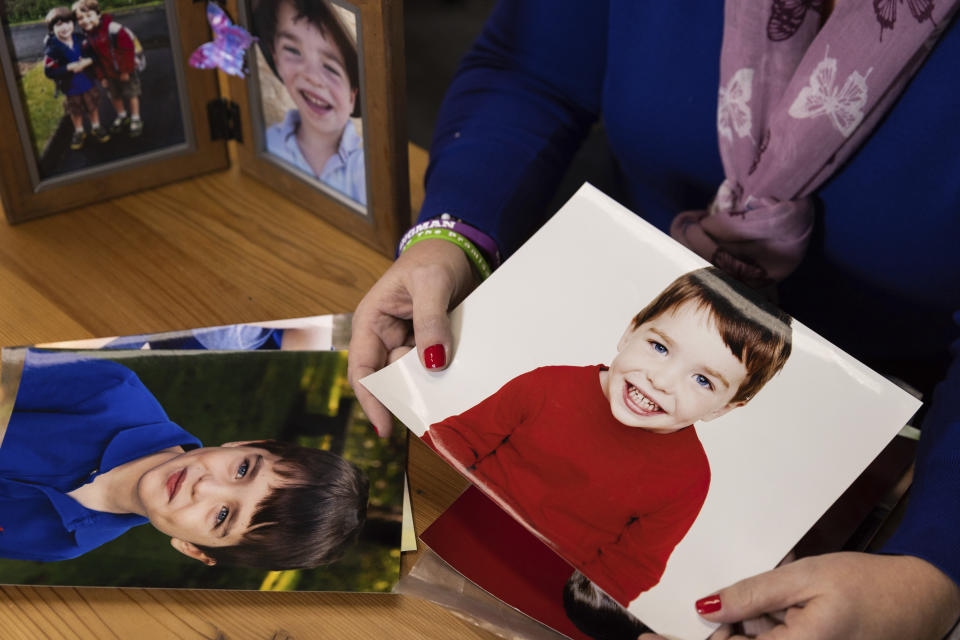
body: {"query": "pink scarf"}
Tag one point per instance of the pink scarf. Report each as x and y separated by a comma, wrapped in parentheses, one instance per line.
(795, 102)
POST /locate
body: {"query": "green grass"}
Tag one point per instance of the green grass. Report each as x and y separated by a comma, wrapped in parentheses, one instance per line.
(43, 110)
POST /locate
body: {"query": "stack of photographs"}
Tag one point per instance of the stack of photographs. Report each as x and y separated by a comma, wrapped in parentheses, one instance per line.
(140, 461)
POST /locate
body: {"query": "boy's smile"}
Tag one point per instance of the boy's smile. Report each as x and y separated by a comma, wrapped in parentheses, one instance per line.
(87, 19)
(313, 71)
(671, 372)
(64, 31)
(208, 496)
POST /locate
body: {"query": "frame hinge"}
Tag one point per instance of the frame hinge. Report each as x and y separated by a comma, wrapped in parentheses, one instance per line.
(224, 117)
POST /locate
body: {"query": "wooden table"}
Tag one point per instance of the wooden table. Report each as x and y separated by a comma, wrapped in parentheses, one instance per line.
(213, 250)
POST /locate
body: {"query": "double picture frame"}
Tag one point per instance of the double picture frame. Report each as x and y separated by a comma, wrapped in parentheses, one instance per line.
(102, 102)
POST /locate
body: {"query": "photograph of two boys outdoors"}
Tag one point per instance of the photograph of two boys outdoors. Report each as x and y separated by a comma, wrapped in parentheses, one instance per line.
(97, 80)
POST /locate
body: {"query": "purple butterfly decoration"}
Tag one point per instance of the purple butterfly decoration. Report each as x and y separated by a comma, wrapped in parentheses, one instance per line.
(229, 44)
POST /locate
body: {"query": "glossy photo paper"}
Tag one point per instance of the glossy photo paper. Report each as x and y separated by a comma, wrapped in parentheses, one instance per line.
(658, 430)
(73, 420)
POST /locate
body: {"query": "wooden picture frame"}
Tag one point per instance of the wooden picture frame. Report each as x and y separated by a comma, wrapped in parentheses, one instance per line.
(35, 180)
(42, 177)
(376, 27)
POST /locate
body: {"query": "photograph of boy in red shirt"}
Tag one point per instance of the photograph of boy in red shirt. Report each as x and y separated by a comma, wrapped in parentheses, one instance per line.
(115, 64)
(599, 460)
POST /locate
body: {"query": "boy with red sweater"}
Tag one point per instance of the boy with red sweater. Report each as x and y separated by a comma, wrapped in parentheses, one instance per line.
(115, 65)
(600, 460)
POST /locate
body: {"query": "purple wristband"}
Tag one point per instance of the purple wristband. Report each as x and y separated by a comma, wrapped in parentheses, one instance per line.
(482, 241)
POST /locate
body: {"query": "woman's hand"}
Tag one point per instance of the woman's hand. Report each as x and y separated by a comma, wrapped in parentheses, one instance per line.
(408, 306)
(838, 596)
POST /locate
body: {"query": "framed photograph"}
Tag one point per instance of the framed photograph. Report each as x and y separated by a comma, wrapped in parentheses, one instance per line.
(99, 101)
(644, 415)
(322, 110)
(148, 468)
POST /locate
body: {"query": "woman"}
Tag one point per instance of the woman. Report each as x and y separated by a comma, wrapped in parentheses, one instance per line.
(880, 226)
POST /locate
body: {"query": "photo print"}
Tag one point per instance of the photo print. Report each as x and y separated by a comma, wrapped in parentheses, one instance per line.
(312, 333)
(98, 84)
(194, 469)
(645, 417)
(307, 83)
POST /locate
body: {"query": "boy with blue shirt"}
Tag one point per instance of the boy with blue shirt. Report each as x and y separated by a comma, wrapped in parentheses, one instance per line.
(310, 51)
(89, 453)
(65, 62)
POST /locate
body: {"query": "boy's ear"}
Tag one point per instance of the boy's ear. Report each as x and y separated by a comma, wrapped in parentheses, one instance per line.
(190, 550)
(722, 411)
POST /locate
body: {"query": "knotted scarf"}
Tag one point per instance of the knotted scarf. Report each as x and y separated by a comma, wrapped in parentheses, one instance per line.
(795, 101)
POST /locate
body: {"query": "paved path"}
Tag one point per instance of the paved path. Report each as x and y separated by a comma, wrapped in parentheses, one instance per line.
(148, 23)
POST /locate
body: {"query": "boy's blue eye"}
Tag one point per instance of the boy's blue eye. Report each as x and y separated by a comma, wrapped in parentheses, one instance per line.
(659, 348)
(221, 516)
(332, 70)
(242, 469)
(703, 381)
(292, 50)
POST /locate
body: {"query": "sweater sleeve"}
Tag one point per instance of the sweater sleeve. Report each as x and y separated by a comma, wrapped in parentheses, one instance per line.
(54, 67)
(477, 432)
(930, 523)
(633, 563)
(520, 105)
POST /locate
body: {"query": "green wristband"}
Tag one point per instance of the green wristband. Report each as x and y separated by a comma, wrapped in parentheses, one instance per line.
(474, 254)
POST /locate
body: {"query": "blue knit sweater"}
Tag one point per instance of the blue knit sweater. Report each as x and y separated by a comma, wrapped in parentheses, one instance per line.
(882, 277)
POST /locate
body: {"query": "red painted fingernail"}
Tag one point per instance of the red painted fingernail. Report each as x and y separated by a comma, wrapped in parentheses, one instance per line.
(434, 357)
(709, 604)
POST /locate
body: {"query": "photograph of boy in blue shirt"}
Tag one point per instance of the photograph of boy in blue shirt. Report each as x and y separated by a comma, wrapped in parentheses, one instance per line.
(89, 453)
(310, 50)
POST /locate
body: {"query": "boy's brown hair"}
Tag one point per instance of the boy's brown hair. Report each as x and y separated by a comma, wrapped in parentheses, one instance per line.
(85, 5)
(307, 523)
(57, 15)
(757, 333)
(320, 14)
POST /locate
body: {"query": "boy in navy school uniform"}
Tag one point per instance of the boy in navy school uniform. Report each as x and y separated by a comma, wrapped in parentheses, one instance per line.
(66, 60)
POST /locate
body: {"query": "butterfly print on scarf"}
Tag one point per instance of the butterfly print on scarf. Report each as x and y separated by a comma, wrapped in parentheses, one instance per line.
(786, 16)
(886, 12)
(727, 200)
(844, 105)
(733, 112)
